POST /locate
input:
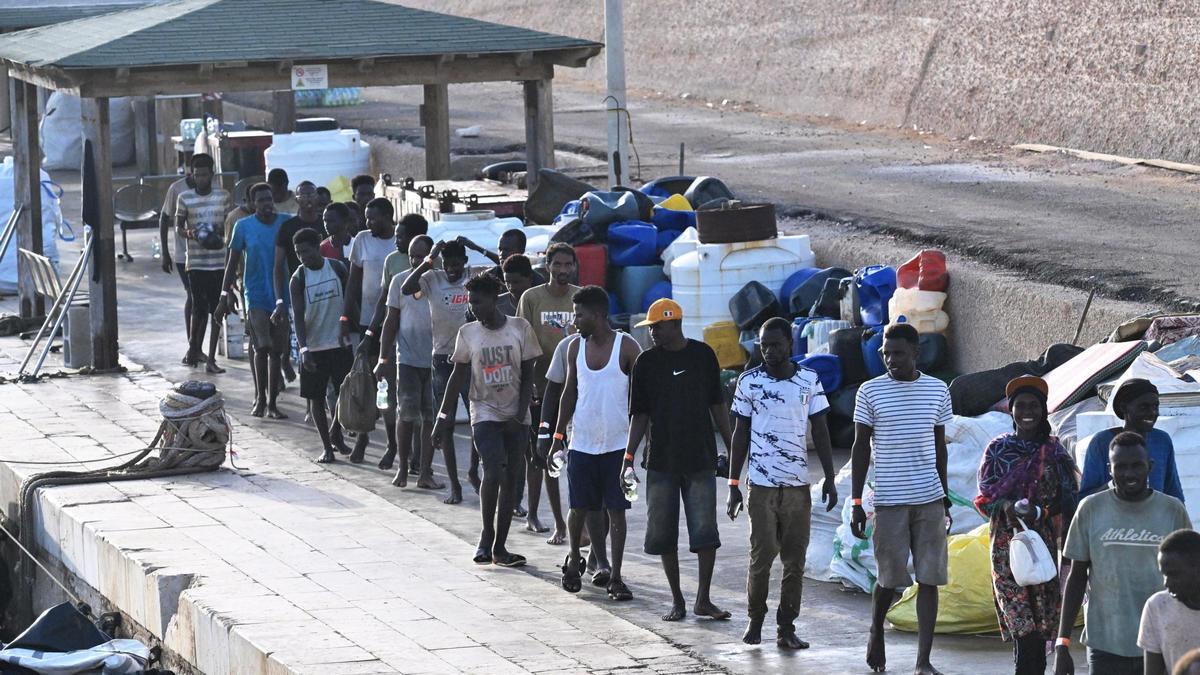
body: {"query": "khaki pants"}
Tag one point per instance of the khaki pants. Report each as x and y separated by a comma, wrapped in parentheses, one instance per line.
(779, 525)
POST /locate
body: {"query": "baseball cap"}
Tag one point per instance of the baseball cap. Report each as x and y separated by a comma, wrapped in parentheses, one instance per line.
(663, 309)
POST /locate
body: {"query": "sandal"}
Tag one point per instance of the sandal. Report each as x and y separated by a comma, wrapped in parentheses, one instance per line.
(617, 590)
(571, 580)
(601, 577)
(510, 560)
(482, 557)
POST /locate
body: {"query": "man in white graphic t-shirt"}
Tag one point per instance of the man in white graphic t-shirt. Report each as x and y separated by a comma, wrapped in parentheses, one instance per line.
(901, 415)
(772, 408)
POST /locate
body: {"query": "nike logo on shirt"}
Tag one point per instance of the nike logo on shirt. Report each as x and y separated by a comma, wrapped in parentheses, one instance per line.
(678, 372)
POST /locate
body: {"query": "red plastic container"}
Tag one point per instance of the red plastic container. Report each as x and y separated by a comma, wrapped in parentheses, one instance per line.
(925, 272)
(593, 264)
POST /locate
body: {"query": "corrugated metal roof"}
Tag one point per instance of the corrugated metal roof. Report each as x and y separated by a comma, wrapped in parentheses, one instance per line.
(27, 14)
(215, 31)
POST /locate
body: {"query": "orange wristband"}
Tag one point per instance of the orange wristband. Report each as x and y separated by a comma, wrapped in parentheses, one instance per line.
(558, 437)
(629, 457)
(733, 482)
(856, 502)
(1062, 642)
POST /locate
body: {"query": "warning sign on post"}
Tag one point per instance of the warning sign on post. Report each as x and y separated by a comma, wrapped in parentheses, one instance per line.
(310, 77)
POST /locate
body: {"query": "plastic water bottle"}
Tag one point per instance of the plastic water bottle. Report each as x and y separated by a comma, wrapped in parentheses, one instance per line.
(381, 394)
(156, 248)
(557, 461)
(629, 484)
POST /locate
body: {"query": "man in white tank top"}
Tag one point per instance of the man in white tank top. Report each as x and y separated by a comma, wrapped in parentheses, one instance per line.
(596, 394)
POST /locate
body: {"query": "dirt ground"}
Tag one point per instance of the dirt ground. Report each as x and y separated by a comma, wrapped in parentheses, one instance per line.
(1128, 230)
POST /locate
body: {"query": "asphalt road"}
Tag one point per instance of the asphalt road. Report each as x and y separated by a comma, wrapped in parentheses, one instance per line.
(1128, 229)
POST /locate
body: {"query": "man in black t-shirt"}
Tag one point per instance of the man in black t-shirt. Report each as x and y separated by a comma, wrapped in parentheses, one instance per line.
(286, 260)
(675, 388)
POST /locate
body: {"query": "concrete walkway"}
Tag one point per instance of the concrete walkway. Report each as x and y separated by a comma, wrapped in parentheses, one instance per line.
(281, 566)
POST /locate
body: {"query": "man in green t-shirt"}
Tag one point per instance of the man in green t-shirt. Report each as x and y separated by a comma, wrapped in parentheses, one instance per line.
(549, 308)
(1113, 547)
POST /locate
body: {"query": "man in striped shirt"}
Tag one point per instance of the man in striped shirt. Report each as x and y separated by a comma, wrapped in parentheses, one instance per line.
(902, 415)
(200, 220)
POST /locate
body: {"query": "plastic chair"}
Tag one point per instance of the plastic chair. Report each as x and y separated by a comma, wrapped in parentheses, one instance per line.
(133, 206)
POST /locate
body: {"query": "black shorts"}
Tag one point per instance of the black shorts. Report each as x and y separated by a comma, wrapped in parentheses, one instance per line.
(595, 481)
(332, 366)
(205, 287)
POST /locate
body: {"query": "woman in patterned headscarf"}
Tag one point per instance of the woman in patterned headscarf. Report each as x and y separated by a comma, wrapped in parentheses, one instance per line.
(1027, 475)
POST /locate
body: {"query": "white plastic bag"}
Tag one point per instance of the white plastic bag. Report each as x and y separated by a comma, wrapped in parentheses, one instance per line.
(1030, 558)
(61, 132)
(51, 217)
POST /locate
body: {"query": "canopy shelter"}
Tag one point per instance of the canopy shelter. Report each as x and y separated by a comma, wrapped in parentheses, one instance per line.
(195, 46)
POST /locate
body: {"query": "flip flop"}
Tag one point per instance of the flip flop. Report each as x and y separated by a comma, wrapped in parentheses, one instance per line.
(618, 591)
(510, 560)
(482, 557)
(571, 581)
(601, 578)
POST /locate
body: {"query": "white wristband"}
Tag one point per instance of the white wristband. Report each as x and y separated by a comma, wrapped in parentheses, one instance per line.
(303, 350)
(224, 293)
(443, 416)
(279, 302)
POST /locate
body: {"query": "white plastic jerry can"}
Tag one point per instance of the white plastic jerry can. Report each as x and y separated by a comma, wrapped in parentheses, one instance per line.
(234, 341)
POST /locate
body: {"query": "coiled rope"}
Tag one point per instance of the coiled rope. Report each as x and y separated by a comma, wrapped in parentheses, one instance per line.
(194, 436)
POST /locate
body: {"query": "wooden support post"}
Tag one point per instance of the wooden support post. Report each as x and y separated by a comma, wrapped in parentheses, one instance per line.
(539, 128)
(285, 112)
(102, 277)
(6, 119)
(27, 179)
(143, 134)
(435, 117)
(167, 114)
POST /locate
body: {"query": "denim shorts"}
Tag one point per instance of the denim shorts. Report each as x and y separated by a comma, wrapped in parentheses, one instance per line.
(414, 393)
(442, 368)
(699, 493)
(499, 448)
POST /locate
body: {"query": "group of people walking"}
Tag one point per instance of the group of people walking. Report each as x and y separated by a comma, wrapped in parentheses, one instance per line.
(550, 386)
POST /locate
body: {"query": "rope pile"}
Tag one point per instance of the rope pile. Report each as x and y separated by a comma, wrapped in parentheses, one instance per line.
(194, 436)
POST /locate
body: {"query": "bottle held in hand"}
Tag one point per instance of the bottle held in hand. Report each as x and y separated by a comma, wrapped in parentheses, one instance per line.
(381, 394)
(629, 484)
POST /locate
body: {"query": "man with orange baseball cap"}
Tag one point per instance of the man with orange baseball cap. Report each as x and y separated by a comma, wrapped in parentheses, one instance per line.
(675, 388)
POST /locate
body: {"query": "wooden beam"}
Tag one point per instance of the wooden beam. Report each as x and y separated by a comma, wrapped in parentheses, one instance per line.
(539, 128)
(143, 134)
(272, 77)
(27, 181)
(167, 114)
(285, 112)
(435, 117)
(102, 278)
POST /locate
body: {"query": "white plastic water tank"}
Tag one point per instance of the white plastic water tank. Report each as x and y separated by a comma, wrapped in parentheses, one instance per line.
(481, 227)
(330, 157)
(704, 279)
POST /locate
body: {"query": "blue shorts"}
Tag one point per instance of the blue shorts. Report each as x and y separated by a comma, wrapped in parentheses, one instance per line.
(595, 481)
(442, 368)
(699, 493)
(500, 450)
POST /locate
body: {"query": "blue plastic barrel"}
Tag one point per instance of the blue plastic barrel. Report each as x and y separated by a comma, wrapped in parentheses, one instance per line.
(799, 342)
(665, 239)
(876, 284)
(658, 291)
(614, 305)
(871, 356)
(667, 219)
(828, 368)
(792, 283)
(634, 282)
(632, 244)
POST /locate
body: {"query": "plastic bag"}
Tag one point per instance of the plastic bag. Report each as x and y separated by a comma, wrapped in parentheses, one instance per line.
(1030, 559)
(356, 401)
(61, 131)
(965, 604)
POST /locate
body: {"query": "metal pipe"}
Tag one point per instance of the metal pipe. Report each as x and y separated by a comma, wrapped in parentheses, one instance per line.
(614, 60)
(73, 282)
(10, 230)
(62, 312)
